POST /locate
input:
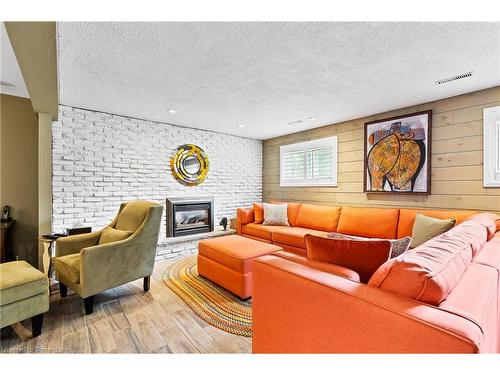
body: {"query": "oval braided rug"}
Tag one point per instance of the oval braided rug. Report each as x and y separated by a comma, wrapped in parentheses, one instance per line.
(212, 303)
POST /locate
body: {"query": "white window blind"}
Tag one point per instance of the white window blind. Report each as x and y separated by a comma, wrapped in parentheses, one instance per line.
(311, 163)
(491, 131)
(319, 163)
(293, 164)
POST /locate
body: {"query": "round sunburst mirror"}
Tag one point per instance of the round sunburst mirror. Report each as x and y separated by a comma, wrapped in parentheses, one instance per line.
(189, 165)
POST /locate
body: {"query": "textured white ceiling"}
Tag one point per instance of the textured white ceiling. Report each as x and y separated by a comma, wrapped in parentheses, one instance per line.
(265, 75)
(9, 70)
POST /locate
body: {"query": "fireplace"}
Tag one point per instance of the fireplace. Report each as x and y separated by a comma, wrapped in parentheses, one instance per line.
(187, 216)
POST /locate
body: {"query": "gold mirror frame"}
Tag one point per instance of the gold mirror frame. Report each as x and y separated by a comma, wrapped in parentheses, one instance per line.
(179, 161)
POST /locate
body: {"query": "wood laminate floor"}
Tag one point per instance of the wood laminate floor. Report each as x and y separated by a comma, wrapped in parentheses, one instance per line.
(125, 320)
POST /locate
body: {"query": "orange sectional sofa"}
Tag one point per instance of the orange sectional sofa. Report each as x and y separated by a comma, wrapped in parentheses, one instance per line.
(441, 297)
(318, 220)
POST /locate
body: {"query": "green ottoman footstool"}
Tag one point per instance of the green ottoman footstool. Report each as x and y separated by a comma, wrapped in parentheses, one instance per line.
(24, 293)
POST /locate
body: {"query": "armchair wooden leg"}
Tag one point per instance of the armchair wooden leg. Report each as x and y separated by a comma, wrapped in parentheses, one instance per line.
(147, 283)
(63, 289)
(89, 305)
(36, 325)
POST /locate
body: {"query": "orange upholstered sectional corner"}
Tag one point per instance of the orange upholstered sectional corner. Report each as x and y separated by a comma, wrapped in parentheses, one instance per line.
(441, 297)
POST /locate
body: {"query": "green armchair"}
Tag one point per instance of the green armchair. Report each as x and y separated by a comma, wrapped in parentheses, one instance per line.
(122, 252)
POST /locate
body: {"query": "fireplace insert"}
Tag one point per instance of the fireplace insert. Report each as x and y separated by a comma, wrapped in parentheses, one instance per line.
(187, 216)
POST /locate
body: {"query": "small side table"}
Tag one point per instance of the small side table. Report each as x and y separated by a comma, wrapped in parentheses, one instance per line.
(46, 258)
(47, 254)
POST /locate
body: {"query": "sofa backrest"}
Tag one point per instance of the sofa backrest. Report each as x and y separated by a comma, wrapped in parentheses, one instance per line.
(429, 272)
(372, 222)
(369, 222)
(318, 217)
(407, 218)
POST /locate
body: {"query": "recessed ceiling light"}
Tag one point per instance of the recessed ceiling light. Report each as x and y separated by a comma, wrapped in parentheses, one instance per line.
(172, 111)
(240, 126)
(312, 118)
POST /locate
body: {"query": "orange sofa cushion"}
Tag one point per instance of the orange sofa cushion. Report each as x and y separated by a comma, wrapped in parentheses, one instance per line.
(369, 222)
(490, 254)
(243, 216)
(364, 257)
(429, 272)
(235, 252)
(293, 211)
(407, 218)
(318, 217)
(260, 230)
(258, 213)
(294, 236)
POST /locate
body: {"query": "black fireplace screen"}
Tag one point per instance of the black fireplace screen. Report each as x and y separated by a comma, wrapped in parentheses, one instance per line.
(189, 216)
(191, 219)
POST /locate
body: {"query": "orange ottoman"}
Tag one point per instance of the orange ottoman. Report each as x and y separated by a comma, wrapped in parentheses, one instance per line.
(227, 261)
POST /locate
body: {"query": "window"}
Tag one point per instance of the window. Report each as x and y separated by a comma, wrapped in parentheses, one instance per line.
(311, 163)
(491, 127)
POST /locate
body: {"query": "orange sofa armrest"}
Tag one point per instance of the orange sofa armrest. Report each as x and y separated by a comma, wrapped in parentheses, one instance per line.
(297, 309)
(243, 216)
(320, 266)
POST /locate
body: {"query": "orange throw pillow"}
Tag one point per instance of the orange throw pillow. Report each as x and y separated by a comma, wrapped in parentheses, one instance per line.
(258, 212)
(364, 257)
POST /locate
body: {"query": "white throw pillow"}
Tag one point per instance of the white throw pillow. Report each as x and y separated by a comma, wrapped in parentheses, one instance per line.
(276, 214)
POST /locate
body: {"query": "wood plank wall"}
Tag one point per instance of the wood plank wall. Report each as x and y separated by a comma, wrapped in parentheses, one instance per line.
(457, 160)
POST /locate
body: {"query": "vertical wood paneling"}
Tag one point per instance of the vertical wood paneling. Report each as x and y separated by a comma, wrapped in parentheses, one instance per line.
(456, 169)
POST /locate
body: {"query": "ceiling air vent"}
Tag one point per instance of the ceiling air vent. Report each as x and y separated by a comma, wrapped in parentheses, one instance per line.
(454, 78)
(295, 122)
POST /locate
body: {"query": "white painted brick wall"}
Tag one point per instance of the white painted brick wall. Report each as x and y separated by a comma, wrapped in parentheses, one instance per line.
(100, 160)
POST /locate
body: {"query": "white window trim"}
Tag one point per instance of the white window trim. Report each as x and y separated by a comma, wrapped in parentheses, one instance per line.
(491, 143)
(303, 146)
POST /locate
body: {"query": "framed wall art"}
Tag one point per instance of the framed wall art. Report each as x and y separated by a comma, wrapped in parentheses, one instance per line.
(397, 154)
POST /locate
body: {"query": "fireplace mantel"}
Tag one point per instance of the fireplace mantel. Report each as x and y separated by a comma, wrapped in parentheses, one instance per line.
(217, 232)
